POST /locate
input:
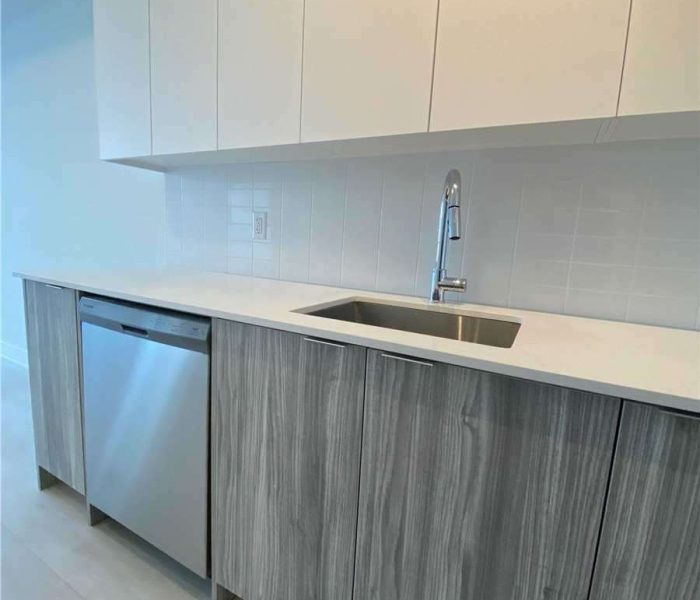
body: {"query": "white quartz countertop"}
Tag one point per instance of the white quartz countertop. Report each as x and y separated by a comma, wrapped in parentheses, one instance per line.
(649, 364)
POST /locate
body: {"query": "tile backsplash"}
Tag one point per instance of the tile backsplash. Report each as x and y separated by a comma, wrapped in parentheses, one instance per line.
(608, 231)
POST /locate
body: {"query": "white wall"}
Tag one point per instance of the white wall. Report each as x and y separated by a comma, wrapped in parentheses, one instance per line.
(605, 231)
(60, 204)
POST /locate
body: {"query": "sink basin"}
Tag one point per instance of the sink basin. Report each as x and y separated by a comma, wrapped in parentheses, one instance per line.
(453, 326)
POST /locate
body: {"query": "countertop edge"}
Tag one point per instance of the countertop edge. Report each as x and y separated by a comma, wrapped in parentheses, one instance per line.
(612, 389)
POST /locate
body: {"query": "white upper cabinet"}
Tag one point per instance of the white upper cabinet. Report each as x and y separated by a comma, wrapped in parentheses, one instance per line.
(504, 62)
(367, 68)
(260, 46)
(122, 77)
(662, 64)
(183, 75)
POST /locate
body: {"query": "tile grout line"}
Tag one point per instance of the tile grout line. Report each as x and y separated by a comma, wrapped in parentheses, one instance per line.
(416, 285)
(515, 247)
(345, 217)
(379, 228)
(567, 291)
(311, 225)
(635, 268)
(416, 261)
(467, 218)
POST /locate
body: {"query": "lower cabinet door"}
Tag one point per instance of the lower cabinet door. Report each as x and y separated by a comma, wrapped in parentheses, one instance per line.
(650, 545)
(286, 437)
(478, 486)
(54, 376)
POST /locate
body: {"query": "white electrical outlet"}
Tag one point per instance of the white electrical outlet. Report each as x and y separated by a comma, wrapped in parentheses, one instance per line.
(259, 225)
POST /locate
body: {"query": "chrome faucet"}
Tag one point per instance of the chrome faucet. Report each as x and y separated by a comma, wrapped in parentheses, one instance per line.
(448, 229)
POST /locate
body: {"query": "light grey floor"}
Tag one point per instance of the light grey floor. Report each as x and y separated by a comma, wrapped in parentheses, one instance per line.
(48, 549)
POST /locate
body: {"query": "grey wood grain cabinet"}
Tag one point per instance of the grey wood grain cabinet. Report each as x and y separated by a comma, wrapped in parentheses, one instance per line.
(54, 375)
(475, 485)
(286, 437)
(650, 543)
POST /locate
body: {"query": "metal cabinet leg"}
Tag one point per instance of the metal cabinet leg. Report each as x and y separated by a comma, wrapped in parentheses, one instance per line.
(44, 478)
(95, 515)
(221, 593)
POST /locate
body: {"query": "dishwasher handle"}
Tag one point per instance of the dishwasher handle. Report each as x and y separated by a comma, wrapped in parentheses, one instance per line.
(134, 330)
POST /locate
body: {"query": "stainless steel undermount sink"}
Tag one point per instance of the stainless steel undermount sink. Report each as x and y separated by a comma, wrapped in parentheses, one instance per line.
(454, 326)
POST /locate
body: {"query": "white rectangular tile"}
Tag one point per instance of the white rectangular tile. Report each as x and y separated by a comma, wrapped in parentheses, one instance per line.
(614, 192)
(240, 176)
(548, 219)
(602, 278)
(241, 216)
(173, 187)
(268, 175)
(293, 270)
(538, 297)
(240, 249)
(488, 281)
(327, 223)
(240, 232)
(671, 223)
(361, 231)
(539, 272)
(666, 282)
(543, 246)
(613, 223)
(600, 305)
(266, 268)
(240, 266)
(265, 251)
(269, 198)
(668, 312)
(400, 228)
(296, 231)
(242, 198)
(604, 250)
(670, 254)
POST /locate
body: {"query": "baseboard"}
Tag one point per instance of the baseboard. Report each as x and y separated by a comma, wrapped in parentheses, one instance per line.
(15, 354)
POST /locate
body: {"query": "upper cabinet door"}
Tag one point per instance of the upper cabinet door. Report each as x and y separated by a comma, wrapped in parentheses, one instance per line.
(367, 68)
(183, 75)
(662, 64)
(504, 62)
(259, 72)
(122, 77)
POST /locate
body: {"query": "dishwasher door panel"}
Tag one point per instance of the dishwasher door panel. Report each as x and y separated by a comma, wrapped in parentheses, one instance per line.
(146, 429)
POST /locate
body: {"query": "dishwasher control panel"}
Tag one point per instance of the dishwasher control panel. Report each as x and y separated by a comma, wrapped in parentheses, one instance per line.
(157, 324)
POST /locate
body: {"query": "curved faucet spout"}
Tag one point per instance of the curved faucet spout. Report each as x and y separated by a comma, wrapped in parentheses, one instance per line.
(453, 198)
(448, 229)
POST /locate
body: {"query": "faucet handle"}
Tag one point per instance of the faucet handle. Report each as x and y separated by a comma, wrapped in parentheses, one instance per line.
(453, 284)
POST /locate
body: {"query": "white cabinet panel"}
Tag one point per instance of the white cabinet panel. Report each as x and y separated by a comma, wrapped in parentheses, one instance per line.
(183, 75)
(122, 77)
(504, 62)
(259, 72)
(367, 68)
(662, 64)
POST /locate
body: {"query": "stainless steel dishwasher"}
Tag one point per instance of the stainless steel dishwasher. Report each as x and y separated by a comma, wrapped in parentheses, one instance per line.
(146, 413)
